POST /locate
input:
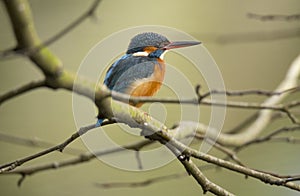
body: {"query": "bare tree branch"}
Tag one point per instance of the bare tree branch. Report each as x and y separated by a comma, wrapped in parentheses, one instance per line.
(274, 17)
(263, 35)
(22, 89)
(205, 183)
(60, 147)
(141, 183)
(136, 100)
(267, 178)
(81, 158)
(5, 54)
(35, 142)
(265, 116)
(246, 92)
(258, 36)
(268, 137)
(87, 14)
(231, 154)
(242, 105)
(164, 136)
(192, 169)
(291, 139)
(149, 181)
(90, 12)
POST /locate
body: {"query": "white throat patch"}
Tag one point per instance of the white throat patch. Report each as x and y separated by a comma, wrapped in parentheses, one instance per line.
(163, 55)
(147, 54)
(140, 54)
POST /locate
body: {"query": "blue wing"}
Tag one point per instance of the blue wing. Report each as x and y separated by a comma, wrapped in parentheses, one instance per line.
(109, 71)
(127, 70)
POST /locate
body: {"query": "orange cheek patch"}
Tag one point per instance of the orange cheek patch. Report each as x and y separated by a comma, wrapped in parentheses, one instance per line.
(150, 49)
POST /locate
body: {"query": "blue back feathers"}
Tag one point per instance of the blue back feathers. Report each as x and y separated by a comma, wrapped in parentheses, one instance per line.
(128, 69)
(109, 71)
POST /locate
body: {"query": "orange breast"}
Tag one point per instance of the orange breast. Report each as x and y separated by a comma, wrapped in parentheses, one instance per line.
(149, 86)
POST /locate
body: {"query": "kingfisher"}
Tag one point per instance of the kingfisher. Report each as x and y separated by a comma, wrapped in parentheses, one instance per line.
(141, 71)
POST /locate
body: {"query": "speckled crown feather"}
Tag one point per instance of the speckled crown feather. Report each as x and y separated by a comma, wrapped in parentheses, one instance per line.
(146, 39)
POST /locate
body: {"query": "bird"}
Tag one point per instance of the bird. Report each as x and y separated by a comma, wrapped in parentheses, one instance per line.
(141, 70)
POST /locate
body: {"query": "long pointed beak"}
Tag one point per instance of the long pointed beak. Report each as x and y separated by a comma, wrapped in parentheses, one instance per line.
(180, 44)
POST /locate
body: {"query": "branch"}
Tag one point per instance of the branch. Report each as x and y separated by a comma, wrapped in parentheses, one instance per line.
(231, 154)
(269, 137)
(264, 116)
(245, 92)
(7, 53)
(136, 118)
(34, 143)
(22, 89)
(265, 177)
(82, 158)
(242, 105)
(205, 183)
(60, 147)
(163, 135)
(90, 12)
(275, 17)
(125, 98)
(149, 181)
(256, 106)
(287, 139)
(87, 14)
(193, 170)
(258, 36)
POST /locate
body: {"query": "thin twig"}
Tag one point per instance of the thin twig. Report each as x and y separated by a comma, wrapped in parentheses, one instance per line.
(90, 12)
(248, 92)
(277, 115)
(60, 147)
(231, 154)
(201, 99)
(294, 178)
(81, 158)
(22, 89)
(256, 36)
(4, 54)
(149, 181)
(290, 139)
(274, 17)
(87, 14)
(12, 139)
(268, 137)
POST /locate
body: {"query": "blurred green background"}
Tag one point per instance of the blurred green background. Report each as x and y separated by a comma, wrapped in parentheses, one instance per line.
(48, 115)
